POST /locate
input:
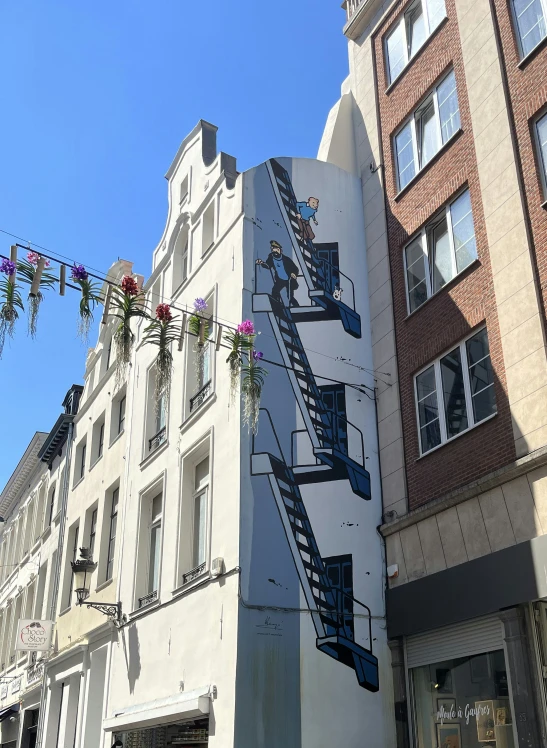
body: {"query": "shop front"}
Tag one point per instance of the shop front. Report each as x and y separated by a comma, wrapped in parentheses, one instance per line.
(192, 733)
(458, 684)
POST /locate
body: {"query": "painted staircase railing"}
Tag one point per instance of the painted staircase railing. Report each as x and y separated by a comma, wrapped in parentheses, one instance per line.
(326, 602)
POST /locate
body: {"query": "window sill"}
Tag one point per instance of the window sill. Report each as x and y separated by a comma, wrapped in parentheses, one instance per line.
(208, 250)
(46, 533)
(96, 461)
(104, 585)
(193, 417)
(462, 433)
(204, 576)
(143, 611)
(544, 205)
(409, 64)
(116, 438)
(532, 53)
(65, 611)
(57, 517)
(447, 286)
(430, 163)
(35, 546)
(151, 457)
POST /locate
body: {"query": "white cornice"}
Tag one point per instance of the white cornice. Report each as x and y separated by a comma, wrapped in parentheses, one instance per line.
(26, 467)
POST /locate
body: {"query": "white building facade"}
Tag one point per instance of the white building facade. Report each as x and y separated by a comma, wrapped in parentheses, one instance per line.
(252, 573)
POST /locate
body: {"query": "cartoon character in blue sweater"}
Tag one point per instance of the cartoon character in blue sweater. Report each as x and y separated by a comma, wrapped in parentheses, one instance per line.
(306, 213)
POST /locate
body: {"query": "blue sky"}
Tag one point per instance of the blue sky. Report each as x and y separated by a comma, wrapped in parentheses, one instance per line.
(96, 98)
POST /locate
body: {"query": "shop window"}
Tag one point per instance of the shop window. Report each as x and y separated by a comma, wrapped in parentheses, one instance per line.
(463, 703)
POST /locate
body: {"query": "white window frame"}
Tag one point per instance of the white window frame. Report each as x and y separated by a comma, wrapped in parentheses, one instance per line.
(423, 235)
(541, 160)
(432, 96)
(523, 54)
(155, 523)
(196, 493)
(471, 423)
(401, 24)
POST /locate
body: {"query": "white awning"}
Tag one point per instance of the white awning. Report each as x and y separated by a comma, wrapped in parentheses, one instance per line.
(181, 706)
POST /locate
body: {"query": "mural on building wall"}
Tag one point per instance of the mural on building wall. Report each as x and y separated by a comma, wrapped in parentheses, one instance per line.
(326, 295)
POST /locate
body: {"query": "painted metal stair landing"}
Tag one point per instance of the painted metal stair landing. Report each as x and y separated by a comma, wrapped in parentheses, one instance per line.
(328, 432)
(325, 305)
(334, 637)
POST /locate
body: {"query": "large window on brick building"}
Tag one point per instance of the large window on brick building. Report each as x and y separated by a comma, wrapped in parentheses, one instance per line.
(411, 31)
(455, 392)
(442, 249)
(431, 125)
(530, 22)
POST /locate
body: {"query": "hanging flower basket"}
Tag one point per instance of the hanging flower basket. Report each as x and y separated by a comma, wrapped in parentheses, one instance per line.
(10, 302)
(32, 272)
(198, 325)
(162, 332)
(89, 300)
(239, 342)
(251, 388)
(128, 302)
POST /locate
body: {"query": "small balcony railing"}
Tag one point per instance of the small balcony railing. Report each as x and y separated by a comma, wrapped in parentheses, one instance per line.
(157, 440)
(200, 396)
(193, 573)
(148, 599)
(12, 659)
(352, 6)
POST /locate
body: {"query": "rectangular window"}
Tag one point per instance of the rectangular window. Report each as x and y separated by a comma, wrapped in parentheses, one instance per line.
(444, 247)
(82, 460)
(455, 392)
(108, 354)
(51, 506)
(433, 123)
(530, 20)
(156, 416)
(112, 534)
(93, 531)
(410, 33)
(541, 135)
(121, 415)
(462, 702)
(201, 489)
(101, 440)
(155, 545)
(208, 228)
(184, 190)
(73, 558)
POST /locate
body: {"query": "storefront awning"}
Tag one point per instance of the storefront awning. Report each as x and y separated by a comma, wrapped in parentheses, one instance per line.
(8, 711)
(181, 706)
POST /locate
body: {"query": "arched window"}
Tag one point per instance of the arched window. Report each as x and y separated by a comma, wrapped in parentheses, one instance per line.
(180, 258)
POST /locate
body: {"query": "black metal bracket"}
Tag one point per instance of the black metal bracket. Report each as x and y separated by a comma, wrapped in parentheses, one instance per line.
(111, 610)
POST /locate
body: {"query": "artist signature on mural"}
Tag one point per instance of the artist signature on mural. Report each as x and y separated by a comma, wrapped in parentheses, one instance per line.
(270, 628)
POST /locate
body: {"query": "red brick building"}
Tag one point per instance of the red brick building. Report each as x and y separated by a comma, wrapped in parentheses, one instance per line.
(444, 118)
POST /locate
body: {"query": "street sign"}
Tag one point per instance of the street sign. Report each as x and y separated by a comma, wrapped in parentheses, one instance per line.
(33, 635)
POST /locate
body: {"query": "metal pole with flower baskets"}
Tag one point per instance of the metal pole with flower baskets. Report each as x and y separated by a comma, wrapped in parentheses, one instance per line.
(90, 298)
(10, 300)
(162, 332)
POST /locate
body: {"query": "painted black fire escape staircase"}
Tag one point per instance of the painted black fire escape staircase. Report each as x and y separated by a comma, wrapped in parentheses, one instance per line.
(328, 433)
(327, 602)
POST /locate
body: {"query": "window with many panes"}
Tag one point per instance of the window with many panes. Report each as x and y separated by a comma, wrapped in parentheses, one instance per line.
(530, 18)
(541, 136)
(432, 125)
(455, 392)
(154, 557)
(443, 248)
(201, 490)
(112, 534)
(121, 415)
(92, 531)
(410, 33)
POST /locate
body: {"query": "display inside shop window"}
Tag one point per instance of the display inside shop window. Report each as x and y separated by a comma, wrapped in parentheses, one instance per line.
(463, 703)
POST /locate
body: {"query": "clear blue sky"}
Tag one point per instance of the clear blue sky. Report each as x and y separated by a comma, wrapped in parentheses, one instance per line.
(96, 98)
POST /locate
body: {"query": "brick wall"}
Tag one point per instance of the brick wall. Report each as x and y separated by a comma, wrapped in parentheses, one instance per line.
(528, 95)
(464, 303)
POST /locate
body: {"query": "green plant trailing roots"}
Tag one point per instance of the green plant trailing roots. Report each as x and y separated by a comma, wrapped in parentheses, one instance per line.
(162, 334)
(251, 388)
(127, 307)
(11, 302)
(89, 300)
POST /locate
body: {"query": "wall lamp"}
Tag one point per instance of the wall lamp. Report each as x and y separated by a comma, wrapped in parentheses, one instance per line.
(82, 569)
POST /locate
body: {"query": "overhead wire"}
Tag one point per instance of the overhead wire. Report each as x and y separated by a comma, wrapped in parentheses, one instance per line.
(54, 257)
